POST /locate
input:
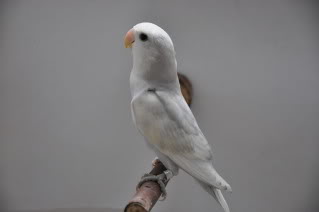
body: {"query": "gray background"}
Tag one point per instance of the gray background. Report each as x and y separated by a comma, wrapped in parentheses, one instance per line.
(67, 139)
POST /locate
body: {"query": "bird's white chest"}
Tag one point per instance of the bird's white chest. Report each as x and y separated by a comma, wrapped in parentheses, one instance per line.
(149, 116)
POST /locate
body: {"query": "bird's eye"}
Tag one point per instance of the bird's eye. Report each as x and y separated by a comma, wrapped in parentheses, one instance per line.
(143, 37)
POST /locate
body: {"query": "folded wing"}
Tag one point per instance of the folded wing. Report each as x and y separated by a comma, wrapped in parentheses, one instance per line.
(179, 137)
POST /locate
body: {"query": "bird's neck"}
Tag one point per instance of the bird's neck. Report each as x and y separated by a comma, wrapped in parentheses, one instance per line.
(153, 73)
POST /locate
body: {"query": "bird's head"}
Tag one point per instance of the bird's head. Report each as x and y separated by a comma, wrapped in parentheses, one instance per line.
(152, 48)
(147, 36)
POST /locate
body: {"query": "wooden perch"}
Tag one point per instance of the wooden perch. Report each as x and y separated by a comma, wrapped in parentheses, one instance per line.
(149, 192)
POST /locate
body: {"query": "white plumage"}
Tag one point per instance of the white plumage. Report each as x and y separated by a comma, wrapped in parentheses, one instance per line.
(161, 114)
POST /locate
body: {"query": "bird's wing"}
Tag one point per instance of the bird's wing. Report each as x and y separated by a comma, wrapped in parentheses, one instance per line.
(179, 137)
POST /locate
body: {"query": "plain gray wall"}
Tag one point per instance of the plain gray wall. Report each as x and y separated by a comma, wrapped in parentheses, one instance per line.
(67, 139)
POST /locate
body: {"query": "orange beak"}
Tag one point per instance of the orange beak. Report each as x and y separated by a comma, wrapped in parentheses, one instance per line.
(129, 39)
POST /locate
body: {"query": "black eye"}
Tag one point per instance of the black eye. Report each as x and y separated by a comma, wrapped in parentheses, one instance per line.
(143, 37)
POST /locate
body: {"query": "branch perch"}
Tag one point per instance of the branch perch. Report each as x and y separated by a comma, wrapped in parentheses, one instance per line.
(148, 194)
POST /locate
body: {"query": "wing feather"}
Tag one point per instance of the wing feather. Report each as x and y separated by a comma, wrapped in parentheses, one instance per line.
(166, 121)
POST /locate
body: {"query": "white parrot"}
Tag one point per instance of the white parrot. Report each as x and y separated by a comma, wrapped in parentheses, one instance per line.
(161, 114)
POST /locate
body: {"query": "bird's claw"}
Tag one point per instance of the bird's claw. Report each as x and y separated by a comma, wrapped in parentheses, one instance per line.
(161, 180)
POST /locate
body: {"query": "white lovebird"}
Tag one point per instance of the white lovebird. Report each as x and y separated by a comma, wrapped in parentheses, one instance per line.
(161, 114)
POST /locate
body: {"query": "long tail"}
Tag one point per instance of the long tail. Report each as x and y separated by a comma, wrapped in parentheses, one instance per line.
(216, 193)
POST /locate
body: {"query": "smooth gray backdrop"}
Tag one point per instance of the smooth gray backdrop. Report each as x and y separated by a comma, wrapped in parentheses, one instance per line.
(67, 139)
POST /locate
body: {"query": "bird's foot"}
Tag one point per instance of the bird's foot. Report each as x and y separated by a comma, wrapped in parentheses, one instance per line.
(161, 180)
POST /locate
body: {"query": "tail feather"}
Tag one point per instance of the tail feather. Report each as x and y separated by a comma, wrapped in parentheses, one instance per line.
(220, 199)
(216, 193)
